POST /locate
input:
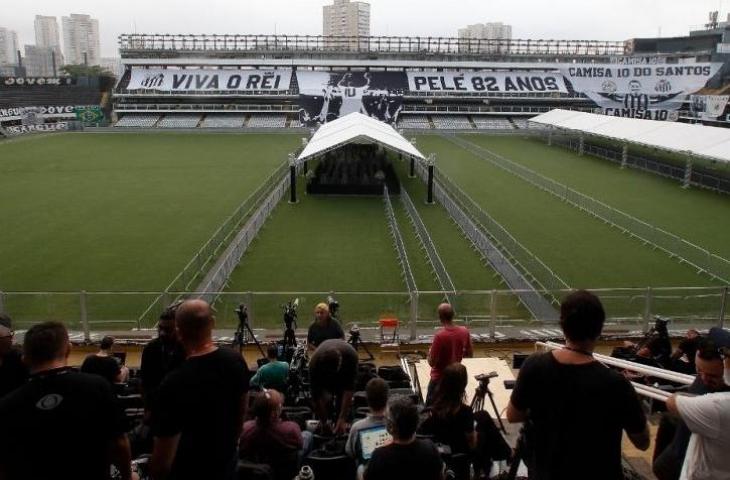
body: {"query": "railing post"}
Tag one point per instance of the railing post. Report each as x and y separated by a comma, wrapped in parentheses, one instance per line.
(723, 307)
(624, 156)
(413, 318)
(687, 172)
(581, 145)
(84, 316)
(2, 301)
(647, 306)
(493, 314)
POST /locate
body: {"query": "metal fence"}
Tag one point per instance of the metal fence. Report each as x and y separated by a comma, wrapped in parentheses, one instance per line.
(674, 245)
(398, 243)
(213, 247)
(494, 313)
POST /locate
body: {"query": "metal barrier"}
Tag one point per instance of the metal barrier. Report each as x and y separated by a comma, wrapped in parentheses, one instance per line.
(700, 258)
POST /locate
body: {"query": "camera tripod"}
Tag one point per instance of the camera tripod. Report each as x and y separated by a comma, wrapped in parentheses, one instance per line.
(482, 390)
(244, 334)
(355, 341)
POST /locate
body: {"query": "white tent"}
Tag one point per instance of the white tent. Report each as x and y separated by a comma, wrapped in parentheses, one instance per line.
(360, 129)
(697, 140)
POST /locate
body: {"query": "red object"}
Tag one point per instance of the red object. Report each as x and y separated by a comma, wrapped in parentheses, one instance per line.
(388, 323)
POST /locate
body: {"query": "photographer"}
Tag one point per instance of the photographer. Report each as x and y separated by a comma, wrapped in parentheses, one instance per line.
(324, 327)
(105, 364)
(274, 373)
(332, 375)
(577, 408)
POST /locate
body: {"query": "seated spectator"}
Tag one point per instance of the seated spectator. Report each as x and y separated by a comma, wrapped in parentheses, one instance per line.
(61, 423)
(105, 364)
(199, 414)
(673, 434)
(451, 421)
(273, 374)
(406, 456)
(13, 372)
(577, 408)
(268, 440)
(376, 392)
(160, 356)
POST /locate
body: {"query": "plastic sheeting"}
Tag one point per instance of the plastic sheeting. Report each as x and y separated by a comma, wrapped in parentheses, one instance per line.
(357, 128)
(698, 140)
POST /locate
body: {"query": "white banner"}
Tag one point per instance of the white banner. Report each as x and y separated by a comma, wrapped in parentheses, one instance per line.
(48, 111)
(663, 115)
(172, 80)
(709, 107)
(646, 87)
(481, 82)
(43, 127)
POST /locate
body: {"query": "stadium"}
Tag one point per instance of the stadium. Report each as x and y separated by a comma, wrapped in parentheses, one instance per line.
(380, 175)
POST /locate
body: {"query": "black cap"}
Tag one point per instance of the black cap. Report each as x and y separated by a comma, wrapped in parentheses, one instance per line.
(720, 336)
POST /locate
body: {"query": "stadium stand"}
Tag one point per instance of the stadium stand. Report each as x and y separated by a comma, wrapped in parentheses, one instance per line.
(451, 122)
(489, 123)
(215, 120)
(267, 121)
(138, 120)
(179, 121)
(414, 121)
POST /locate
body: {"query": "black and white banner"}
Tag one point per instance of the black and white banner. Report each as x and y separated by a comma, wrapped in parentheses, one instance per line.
(486, 82)
(47, 111)
(640, 88)
(43, 127)
(30, 81)
(174, 80)
(326, 96)
(708, 107)
(663, 115)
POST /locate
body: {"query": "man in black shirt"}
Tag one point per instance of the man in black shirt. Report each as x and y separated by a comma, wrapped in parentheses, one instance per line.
(103, 363)
(577, 408)
(160, 356)
(407, 456)
(332, 375)
(324, 327)
(683, 357)
(13, 372)
(201, 406)
(61, 423)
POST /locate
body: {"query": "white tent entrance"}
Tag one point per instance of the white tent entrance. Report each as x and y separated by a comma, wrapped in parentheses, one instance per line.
(352, 158)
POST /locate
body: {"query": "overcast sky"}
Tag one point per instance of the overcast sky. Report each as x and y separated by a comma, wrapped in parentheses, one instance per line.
(547, 19)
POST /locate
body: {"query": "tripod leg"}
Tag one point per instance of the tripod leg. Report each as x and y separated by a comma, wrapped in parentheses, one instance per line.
(255, 340)
(496, 412)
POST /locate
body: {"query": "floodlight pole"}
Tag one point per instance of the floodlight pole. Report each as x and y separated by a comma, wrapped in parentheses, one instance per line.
(292, 179)
(431, 163)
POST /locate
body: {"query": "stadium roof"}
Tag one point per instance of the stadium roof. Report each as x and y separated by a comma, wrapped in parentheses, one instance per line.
(698, 140)
(357, 128)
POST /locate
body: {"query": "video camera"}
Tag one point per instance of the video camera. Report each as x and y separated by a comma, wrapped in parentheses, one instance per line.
(483, 377)
(333, 305)
(290, 314)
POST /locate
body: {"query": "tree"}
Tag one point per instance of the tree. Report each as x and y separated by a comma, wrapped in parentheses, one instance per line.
(76, 71)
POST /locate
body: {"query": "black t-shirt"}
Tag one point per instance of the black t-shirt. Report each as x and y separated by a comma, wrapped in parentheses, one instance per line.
(451, 429)
(319, 333)
(107, 367)
(159, 358)
(59, 425)
(333, 368)
(418, 460)
(201, 401)
(689, 347)
(13, 372)
(577, 414)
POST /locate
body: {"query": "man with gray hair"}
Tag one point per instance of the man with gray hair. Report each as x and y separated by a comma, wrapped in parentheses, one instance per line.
(201, 405)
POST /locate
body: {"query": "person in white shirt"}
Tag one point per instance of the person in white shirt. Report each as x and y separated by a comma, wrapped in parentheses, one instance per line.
(708, 418)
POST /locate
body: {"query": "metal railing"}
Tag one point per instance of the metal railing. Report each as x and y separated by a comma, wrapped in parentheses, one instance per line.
(206, 107)
(674, 245)
(133, 43)
(212, 248)
(437, 265)
(490, 314)
(400, 248)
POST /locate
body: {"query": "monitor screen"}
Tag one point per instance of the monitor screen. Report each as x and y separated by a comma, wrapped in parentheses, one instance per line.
(372, 438)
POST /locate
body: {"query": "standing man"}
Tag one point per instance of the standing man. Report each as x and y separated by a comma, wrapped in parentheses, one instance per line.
(61, 423)
(450, 345)
(332, 375)
(13, 372)
(577, 408)
(201, 405)
(324, 327)
(160, 356)
(708, 418)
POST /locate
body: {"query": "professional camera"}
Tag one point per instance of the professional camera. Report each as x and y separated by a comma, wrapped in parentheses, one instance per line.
(290, 323)
(333, 305)
(484, 377)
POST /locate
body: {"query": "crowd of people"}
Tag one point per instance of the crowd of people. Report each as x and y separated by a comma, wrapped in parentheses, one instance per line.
(209, 416)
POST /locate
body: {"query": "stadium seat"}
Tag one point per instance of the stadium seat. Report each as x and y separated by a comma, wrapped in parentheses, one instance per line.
(492, 123)
(179, 121)
(138, 120)
(223, 120)
(451, 122)
(267, 121)
(414, 121)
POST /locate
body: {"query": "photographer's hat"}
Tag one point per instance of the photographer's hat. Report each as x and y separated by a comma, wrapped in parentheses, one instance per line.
(720, 336)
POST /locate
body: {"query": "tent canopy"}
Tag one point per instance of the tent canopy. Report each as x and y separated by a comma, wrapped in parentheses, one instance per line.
(359, 129)
(697, 140)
